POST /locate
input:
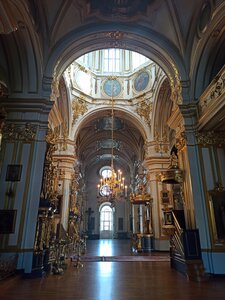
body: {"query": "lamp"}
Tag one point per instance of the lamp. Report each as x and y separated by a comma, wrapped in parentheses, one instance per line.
(113, 186)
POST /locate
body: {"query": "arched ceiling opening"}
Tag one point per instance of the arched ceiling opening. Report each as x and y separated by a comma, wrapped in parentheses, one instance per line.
(46, 37)
(97, 141)
(94, 142)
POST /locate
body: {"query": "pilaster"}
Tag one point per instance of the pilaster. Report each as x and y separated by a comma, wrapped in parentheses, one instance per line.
(22, 159)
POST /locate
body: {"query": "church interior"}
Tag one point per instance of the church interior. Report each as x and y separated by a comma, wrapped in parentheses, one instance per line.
(112, 134)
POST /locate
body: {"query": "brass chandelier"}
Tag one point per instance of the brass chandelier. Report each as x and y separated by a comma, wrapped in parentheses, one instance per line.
(113, 186)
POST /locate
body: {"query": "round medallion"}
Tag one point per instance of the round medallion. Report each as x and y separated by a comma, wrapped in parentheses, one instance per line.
(141, 81)
(112, 87)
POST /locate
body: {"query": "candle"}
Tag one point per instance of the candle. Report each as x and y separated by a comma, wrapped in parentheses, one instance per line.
(98, 189)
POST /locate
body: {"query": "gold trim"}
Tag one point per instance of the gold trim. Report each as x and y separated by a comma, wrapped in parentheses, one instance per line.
(14, 132)
(143, 110)
(210, 138)
(79, 108)
(25, 194)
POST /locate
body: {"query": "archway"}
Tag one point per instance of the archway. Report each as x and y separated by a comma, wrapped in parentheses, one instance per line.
(106, 221)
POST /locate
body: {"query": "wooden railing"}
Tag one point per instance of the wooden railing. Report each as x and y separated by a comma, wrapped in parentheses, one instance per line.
(186, 251)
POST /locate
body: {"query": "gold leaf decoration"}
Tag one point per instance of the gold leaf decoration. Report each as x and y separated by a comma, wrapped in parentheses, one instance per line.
(143, 110)
(79, 107)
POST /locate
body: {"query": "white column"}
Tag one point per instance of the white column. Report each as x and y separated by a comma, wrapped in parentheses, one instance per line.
(141, 217)
(65, 203)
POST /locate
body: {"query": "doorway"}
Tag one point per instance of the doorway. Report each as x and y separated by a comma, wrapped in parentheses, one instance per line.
(106, 221)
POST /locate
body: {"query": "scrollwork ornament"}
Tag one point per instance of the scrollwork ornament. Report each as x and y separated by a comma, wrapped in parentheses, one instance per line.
(28, 132)
(176, 93)
(79, 108)
(65, 134)
(55, 89)
(210, 138)
(52, 135)
(13, 132)
(157, 144)
(218, 88)
(181, 142)
(144, 110)
(9, 132)
(176, 88)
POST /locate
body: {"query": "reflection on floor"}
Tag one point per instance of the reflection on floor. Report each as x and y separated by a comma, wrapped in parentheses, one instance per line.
(108, 247)
(113, 281)
(117, 250)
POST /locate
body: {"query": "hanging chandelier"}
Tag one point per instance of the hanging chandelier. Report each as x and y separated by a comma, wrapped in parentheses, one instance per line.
(112, 187)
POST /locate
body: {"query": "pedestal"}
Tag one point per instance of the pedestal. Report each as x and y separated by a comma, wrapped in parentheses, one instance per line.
(146, 243)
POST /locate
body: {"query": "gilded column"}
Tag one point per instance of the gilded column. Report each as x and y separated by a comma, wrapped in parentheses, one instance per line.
(156, 161)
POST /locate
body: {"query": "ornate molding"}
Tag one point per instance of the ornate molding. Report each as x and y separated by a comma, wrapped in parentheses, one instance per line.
(55, 89)
(144, 110)
(176, 88)
(219, 87)
(176, 93)
(79, 108)
(117, 35)
(210, 138)
(181, 141)
(115, 39)
(157, 144)
(12, 132)
(50, 178)
(65, 134)
(213, 92)
(161, 143)
(52, 136)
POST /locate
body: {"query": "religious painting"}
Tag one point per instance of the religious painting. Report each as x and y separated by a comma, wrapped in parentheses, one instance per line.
(165, 197)
(112, 87)
(168, 218)
(141, 81)
(13, 172)
(217, 214)
(7, 221)
(108, 144)
(106, 124)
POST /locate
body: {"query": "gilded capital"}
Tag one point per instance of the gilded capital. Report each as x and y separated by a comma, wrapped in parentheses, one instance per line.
(210, 138)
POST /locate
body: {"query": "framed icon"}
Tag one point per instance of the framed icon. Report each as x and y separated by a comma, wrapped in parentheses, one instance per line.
(13, 173)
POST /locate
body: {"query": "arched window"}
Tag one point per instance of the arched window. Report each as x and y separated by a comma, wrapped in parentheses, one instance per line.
(106, 218)
(105, 172)
(111, 62)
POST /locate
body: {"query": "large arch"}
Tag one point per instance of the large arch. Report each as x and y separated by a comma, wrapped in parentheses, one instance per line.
(207, 52)
(138, 38)
(120, 112)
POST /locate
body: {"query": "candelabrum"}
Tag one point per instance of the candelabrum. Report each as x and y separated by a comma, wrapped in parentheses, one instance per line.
(112, 187)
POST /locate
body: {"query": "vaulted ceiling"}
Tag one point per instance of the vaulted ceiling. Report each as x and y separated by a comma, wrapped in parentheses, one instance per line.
(46, 36)
(40, 39)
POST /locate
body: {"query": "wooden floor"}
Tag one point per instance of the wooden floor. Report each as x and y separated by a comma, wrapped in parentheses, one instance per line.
(113, 281)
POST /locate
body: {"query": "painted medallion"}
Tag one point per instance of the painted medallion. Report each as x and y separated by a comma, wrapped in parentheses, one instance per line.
(112, 87)
(141, 81)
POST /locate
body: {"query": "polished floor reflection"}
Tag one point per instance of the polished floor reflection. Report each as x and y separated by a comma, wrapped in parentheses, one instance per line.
(108, 247)
(113, 281)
